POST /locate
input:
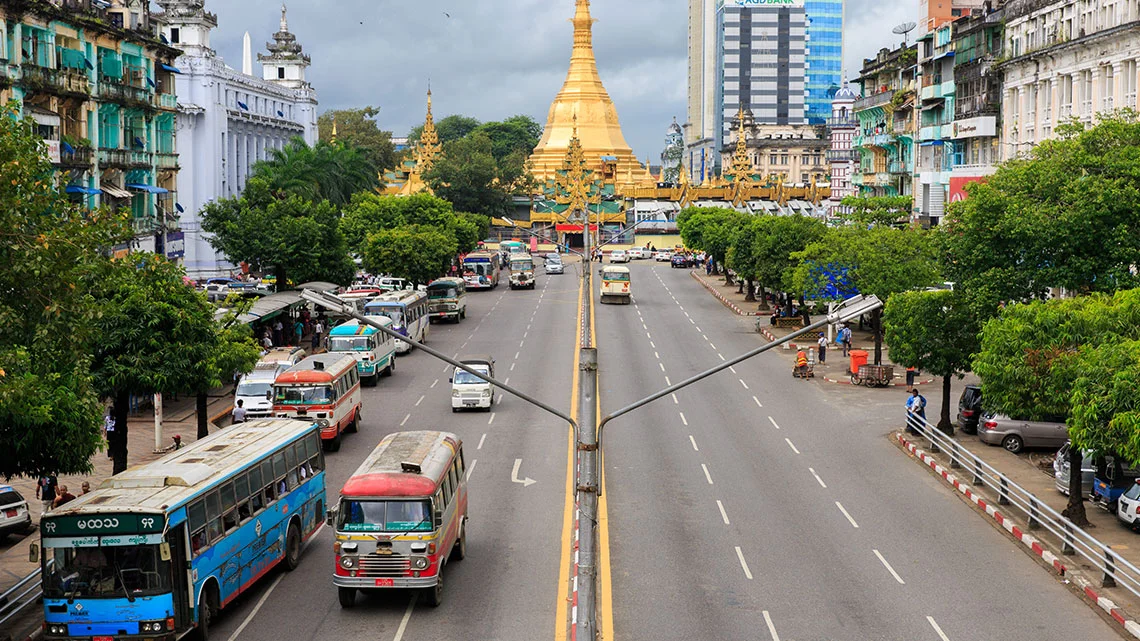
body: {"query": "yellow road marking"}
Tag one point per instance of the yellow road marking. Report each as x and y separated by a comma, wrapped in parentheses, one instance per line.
(605, 586)
(562, 604)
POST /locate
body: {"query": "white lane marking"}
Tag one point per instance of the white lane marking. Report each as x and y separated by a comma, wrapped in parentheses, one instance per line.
(743, 563)
(463, 345)
(771, 626)
(447, 368)
(682, 307)
(471, 468)
(507, 381)
(721, 356)
(652, 345)
(471, 336)
(405, 420)
(525, 334)
(757, 401)
(698, 328)
(675, 401)
(694, 442)
(644, 326)
(656, 355)
(708, 476)
(528, 327)
(792, 445)
(517, 355)
(492, 419)
(512, 367)
(648, 336)
(692, 321)
(683, 419)
(723, 514)
(769, 418)
(712, 345)
(481, 439)
(821, 483)
(732, 369)
(743, 383)
(662, 365)
(889, 568)
(433, 383)
(525, 481)
(420, 401)
(845, 513)
(934, 624)
(521, 343)
(704, 337)
(667, 381)
(256, 608)
(404, 621)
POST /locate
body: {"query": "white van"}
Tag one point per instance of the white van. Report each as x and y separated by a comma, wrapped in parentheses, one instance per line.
(469, 391)
(253, 390)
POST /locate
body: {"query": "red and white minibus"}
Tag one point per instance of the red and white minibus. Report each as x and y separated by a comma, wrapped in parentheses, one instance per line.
(324, 388)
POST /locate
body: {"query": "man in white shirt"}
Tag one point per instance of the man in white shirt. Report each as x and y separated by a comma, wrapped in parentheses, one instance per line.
(239, 412)
(822, 348)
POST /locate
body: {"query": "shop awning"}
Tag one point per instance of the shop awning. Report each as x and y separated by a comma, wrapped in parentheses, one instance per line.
(115, 192)
(319, 286)
(43, 116)
(150, 189)
(271, 305)
(170, 68)
(80, 189)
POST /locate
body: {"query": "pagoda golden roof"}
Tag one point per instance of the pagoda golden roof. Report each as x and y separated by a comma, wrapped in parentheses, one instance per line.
(407, 179)
(583, 101)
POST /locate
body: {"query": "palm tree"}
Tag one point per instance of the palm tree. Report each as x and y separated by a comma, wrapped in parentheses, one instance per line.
(329, 171)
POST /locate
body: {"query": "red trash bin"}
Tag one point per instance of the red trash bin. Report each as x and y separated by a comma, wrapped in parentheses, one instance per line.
(858, 358)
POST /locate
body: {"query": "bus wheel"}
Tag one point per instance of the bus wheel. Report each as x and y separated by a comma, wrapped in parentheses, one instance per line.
(459, 552)
(206, 611)
(347, 596)
(435, 594)
(334, 444)
(292, 547)
(462, 313)
(391, 367)
(354, 425)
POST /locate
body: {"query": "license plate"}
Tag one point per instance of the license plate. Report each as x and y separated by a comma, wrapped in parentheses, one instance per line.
(10, 513)
(102, 638)
(470, 403)
(380, 583)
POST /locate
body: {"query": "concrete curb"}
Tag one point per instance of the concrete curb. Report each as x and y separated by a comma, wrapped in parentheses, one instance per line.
(220, 415)
(721, 297)
(1030, 542)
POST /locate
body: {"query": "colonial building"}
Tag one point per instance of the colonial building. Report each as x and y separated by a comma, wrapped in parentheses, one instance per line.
(99, 83)
(887, 123)
(841, 155)
(936, 100)
(1064, 59)
(794, 153)
(230, 120)
(977, 42)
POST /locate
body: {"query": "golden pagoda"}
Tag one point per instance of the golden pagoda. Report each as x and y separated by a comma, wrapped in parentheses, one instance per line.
(584, 96)
(407, 179)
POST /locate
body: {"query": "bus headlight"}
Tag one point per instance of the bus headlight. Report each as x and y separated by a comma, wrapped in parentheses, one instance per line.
(455, 393)
(152, 626)
(348, 562)
(57, 630)
(486, 393)
(420, 562)
(323, 423)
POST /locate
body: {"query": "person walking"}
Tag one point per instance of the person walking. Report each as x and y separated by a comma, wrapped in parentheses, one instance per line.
(822, 348)
(911, 372)
(915, 412)
(278, 333)
(239, 412)
(298, 332)
(318, 332)
(46, 492)
(845, 339)
(64, 497)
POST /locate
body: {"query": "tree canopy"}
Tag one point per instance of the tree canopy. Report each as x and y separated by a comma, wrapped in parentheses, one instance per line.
(415, 252)
(469, 177)
(327, 171)
(50, 416)
(878, 210)
(449, 129)
(515, 135)
(369, 213)
(358, 128)
(296, 239)
(710, 229)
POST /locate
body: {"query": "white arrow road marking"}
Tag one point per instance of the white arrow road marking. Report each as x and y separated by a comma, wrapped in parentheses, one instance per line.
(526, 482)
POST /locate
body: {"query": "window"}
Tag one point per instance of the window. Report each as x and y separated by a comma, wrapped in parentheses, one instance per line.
(196, 517)
(174, 35)
(448, 488)
(213, 517)
(280, 73)
(291, 466)
(256, 497)
(229, 505)
(269, 490)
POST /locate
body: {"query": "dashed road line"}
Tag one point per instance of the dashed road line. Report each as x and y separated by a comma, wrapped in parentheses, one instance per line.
(770, 418)
(743, 563)
(683, 419)
(405, 420)
(771, 626)
(512, 367)
(652, 345)
(656, 355)
(675, 401)
(723, 514)
(758, 404)
(847, 514)
(517, 355)
(481, 439)
(721, 356)
(693, 441)
(743, 383)
(821, 483)
(471, 468)
(708, 477)
(732, 369)
(419, 401)
(667, 381)
(433, 383)
(791, 445)
(662, 365)
(889, 568)
(491, 419)
(934, 624)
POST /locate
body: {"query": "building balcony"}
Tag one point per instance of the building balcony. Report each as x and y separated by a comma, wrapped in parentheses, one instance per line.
(57, 81)
(141, 159)
(116, 158)
(125, 94)
(166, 101)
(876, 100)
(164, 160)
(79, 157)
(844, 155)
(898, 167)
(849, 121)
(882, 179)
(145, 226)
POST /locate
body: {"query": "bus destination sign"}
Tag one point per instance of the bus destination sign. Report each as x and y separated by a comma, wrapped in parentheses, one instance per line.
(84, 525)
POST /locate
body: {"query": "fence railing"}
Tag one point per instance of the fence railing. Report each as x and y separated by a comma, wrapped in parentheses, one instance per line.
(20, 597)
(1072, 540)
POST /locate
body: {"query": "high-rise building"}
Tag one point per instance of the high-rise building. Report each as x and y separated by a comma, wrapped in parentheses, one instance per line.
(704, 87)
(824, 57)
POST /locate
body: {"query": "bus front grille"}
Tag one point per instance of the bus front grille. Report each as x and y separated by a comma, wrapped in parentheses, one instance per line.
(376, 565)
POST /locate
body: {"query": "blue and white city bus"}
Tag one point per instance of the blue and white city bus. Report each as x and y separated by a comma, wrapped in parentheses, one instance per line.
(374, 351)
(409, 313)
(157, 551)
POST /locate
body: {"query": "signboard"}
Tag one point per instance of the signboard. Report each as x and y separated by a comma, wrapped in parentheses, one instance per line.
(958, 186)
(51, 150)
(175, 244)
(749, 4)
(975, 127)
(572, 228)
(107, 541)
(88, 525)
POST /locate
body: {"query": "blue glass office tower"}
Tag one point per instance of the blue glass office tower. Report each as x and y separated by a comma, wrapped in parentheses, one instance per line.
(825, 57)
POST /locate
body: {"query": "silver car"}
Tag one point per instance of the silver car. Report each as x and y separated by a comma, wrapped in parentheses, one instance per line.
(1061, 471)
(553, 265)
(1017, 434)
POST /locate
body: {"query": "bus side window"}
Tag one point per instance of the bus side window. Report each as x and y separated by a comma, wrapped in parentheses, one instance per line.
(269, 490)
(316, 458)
(291, 465)
(229, 507)
(440, 505)
(256, 499)
(460, 462)
(213, 517)
(241, 494)
(454, 476)
(448, 489)
(196, 517)
(279, 471)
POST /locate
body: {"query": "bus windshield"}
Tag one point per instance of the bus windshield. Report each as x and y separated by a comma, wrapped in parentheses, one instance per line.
(254, 388)
(480, 269)
(395, 313)
(350, 343)
(615, 276)
(440, 292)
(463, 377)
(385, 516)
(107, 572)
(304, 395)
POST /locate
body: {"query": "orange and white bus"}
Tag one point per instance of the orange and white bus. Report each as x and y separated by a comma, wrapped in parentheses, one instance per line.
(324, 388)
(402, 516)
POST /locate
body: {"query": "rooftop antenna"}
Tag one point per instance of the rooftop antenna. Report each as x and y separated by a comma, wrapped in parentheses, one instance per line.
(903, 29)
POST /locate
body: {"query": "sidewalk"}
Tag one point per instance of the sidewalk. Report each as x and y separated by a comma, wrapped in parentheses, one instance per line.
(179, 417)
(1033, 471)
(835, 370)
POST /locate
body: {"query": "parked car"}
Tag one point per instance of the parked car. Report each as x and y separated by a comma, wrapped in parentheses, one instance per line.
(1128, 506)
(679, 260)
(1061, 471)
(14, 514)
(553, 264)
(639, 253)
(1017, 434)
(970, 409)
(663, 255)
(619, 256)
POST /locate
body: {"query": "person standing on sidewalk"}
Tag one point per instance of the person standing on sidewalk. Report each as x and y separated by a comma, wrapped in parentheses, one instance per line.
(911, 372)
(278, 333)
(915, 412)
(318, 330)
(845, 339)
(45, 491)
(239, 412)
(822, 348)
(298, 332)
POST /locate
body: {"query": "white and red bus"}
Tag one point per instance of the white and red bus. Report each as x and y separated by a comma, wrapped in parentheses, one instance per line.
(324, 388)
(402, 516)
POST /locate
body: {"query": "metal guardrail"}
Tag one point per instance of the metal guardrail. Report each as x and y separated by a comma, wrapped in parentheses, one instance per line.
(20, 597)
(1073, 541)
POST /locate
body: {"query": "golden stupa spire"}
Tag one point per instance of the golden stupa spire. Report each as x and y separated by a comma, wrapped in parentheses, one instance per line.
(334, 130)
(582, 94)
(741, 167)
(429, 147)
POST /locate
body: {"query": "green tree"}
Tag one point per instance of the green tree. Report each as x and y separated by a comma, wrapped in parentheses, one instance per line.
(327, 171)
(49, 407)
(878, 210)
(711, 230)
(468, 176)
(742, 255)
(935, 331)
(449, 129)
(369, 213)
(882, 261)
(358, 128)
(236, 352)
(283, 234)
(415, 252)
(153, 334)
(517, 134)
(779, 238)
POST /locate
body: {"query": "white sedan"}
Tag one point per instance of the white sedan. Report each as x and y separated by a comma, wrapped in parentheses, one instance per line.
(619, 256)
(639, 253)
(663, 255)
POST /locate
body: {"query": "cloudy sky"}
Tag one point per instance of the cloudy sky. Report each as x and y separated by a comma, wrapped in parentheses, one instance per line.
(494, 58)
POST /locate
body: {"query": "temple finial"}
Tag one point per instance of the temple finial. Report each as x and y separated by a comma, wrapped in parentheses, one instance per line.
(284, 20)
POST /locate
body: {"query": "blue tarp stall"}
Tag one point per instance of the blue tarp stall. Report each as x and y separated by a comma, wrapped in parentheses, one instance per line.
(150, 189)
(80, 189)
(170, 68)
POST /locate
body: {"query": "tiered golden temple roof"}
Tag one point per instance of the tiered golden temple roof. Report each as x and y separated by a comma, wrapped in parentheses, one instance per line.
(407, 179)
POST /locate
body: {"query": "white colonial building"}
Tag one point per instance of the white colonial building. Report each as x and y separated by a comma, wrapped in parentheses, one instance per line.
(842, 156)
(229, 120)
(1063, 59)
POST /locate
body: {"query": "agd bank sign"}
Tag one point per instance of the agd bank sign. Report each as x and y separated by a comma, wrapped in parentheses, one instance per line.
(749, 4)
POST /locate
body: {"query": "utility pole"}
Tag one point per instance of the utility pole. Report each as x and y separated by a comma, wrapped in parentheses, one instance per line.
(585, 628)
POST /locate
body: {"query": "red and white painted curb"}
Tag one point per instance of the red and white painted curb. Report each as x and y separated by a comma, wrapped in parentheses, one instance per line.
(721, 297)
(1031, 542)
(847, 381)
